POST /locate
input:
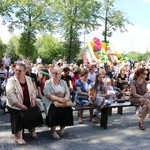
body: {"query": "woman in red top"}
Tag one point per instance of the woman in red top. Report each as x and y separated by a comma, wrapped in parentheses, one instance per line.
(21, 104)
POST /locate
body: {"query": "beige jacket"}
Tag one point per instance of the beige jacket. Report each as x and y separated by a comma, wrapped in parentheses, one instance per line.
(14, 91)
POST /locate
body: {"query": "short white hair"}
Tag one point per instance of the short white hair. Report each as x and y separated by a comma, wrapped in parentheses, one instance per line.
(58, 69)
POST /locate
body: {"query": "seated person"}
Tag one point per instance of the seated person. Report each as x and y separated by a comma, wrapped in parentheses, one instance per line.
(137, 98)
(110, 90)
(94, 99)
(82, 86)
(122, 79)
(126, 93)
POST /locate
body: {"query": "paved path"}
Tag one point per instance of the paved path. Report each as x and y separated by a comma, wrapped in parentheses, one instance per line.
(122, 134)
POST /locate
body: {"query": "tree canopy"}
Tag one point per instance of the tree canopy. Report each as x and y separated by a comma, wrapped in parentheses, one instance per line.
(68, 19)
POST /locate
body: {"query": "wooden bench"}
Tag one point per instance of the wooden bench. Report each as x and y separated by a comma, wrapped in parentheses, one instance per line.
(105, 112)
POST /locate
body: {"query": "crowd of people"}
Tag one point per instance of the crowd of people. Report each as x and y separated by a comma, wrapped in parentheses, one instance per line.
(34, 88)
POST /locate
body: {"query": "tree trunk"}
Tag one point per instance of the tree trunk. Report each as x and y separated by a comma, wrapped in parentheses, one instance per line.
(70, 45)
(105, 35)
(29, 34)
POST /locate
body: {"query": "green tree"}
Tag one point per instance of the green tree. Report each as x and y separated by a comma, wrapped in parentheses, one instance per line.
(12, 47)
(146, 56)
(26, 44)
(30, 16)
(2, 48)
(49, 48)
(136, 56)
(113, 19)
(74, 17)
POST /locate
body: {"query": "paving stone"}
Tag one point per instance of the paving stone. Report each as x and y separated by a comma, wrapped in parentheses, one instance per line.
(122, 134)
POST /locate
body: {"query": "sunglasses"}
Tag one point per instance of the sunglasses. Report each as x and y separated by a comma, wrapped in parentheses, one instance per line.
(18, 70)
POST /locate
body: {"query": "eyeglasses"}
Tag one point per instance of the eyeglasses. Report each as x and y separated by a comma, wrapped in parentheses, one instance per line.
(18, 70)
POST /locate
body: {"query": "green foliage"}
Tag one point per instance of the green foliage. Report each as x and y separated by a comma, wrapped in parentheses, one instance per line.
(75, 16)
(31, 17)
(113, 19)
(69, 18)
(136, 56)
(80, 54)
(26, 44)
(72, 45)
(2, 48)
(124, 57)
(146, 56)
(49, 48)
(12, 47)
(36, 16)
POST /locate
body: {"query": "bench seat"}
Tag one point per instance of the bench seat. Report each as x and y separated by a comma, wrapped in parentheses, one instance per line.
(105, 112)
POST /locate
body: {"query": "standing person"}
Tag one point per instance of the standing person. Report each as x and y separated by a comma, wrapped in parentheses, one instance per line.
(21, 104)
(6, 61)
(138, 90)
(56, 89)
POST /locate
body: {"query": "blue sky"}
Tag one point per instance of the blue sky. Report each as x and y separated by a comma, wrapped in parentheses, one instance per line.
(137, 10)
(137, 38)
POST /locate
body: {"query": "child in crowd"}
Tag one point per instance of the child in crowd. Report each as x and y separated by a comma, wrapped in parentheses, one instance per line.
(110, 90)
(95, 101)
(126, 93)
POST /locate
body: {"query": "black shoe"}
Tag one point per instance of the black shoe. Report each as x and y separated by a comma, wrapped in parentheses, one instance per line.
(94, 115)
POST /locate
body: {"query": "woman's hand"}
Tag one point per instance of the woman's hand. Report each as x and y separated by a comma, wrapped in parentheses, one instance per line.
(64, 101)
(20, 106)
(33, 103)
(23, 107)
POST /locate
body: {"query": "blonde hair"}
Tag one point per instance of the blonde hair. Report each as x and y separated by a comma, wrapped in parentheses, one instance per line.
(102, 71)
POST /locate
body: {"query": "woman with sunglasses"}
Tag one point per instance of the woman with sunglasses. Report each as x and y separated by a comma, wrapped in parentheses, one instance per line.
(56, 90)
(137, 98)
(21, 104)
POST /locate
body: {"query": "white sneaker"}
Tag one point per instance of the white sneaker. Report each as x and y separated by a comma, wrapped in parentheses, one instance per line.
(61, 132)
(55, 136)
(96, 120)
(80, 121)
